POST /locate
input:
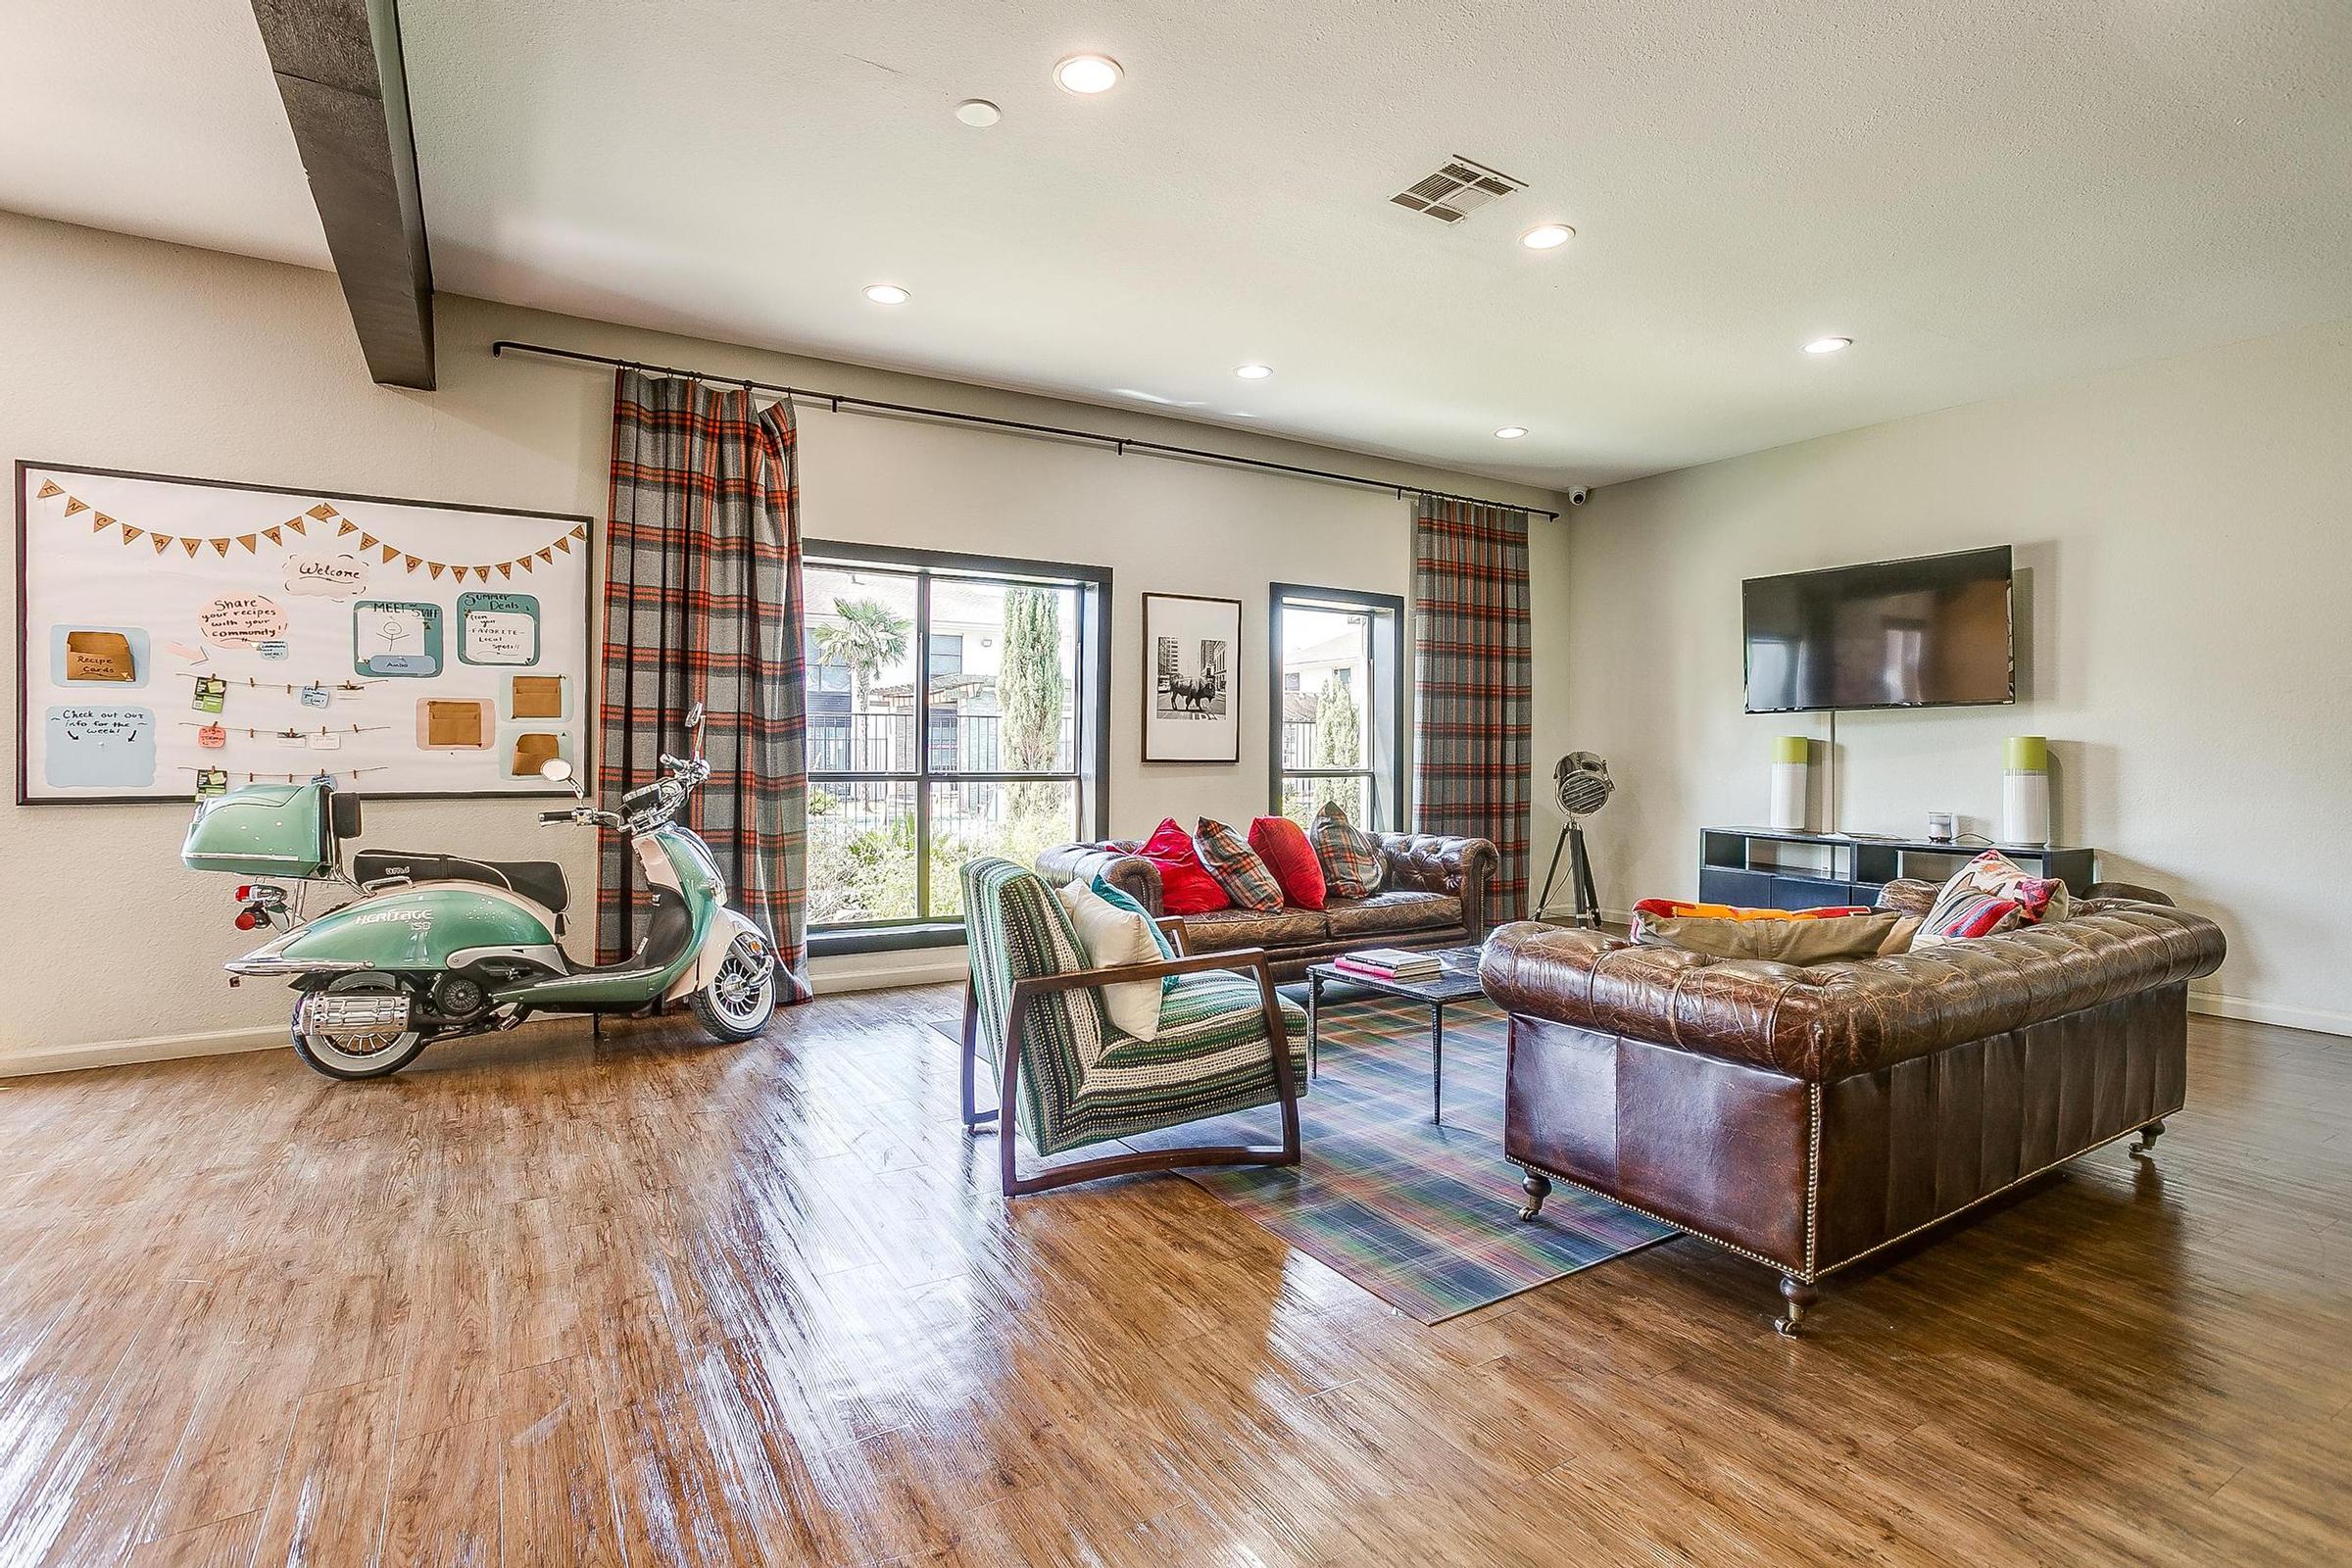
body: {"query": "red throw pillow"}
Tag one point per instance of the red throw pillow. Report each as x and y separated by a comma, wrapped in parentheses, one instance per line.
(1282, 844)
(1185, 885)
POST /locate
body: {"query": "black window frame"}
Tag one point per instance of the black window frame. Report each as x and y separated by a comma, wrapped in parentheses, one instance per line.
(1383, 699)
(1090, 773)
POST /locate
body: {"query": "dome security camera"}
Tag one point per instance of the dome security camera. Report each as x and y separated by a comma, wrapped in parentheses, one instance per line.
(1578, 495)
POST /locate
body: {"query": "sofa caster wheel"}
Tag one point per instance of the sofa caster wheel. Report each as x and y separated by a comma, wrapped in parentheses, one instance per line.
(2147, 1138)
(1800, 1297)
(1538, 1188)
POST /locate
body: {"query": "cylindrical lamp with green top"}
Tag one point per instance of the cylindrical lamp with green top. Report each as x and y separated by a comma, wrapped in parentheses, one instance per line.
(2025, 791)
(1791, 755)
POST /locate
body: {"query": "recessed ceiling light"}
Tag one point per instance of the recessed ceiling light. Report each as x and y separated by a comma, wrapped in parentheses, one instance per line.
(1254, 373)
(1511, 432)
(1828, 345)
(886, 294)
(1545, 236)
(1087, 75)
(978, 112)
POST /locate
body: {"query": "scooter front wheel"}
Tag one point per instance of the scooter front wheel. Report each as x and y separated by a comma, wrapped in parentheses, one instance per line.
(342, 1041)
(741, 997)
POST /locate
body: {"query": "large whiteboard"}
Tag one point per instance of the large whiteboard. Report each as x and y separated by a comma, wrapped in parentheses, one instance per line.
(182, 634)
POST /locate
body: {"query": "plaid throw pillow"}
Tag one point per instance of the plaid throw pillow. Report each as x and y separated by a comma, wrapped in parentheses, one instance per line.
(1350, 857)
(1235, 867)
(1990, 895)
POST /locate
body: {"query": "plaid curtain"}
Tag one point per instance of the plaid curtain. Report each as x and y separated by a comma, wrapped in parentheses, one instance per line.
(1472, 682)
(702, 604)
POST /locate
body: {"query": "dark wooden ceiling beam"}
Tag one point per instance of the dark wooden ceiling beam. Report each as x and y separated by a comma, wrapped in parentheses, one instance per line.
(339, 74)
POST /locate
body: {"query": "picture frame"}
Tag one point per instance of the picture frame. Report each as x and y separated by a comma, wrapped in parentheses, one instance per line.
(1190, 678)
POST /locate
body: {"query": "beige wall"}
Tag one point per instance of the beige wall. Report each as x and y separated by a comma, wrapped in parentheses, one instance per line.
(2186, 567)
(128, 354)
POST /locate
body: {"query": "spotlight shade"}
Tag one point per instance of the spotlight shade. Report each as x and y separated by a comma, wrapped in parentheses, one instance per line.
(1828, 345)
(886, 294)
(1511, 432)
(1254, 373)
(1546, 236)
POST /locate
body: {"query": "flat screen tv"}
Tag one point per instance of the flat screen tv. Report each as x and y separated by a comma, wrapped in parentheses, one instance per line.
(1929, 632)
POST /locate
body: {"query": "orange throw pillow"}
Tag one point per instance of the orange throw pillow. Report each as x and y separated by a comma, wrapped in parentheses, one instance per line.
(1282, 844)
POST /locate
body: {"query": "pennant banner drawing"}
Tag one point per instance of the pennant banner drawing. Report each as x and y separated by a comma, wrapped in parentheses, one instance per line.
(320, 517)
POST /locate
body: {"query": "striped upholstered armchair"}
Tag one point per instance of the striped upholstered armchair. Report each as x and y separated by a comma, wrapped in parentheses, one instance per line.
(1227, 1041)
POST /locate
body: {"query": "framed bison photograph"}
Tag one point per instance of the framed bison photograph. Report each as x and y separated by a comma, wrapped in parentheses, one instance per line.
(1192, 665)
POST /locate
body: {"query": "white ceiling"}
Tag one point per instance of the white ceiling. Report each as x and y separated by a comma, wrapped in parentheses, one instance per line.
(156, 118)
(1986, 196)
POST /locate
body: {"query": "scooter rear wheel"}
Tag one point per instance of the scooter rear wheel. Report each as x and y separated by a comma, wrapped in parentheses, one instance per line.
(741, 996)
(354, 1054)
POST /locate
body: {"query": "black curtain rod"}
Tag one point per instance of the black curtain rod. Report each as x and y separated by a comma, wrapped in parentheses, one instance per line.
(838, 402)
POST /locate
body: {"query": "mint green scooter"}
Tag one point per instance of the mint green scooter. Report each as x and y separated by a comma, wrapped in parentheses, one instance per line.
(439, 946)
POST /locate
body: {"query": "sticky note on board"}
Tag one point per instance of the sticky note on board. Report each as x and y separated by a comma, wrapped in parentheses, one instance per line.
(212, 737)
(498, 628)
(99, 748)
(99, 655)
(396, 638)
(538, 696)
(533, 750)
(212, 694)
(449, 724)
(314, 697)
(240, 620)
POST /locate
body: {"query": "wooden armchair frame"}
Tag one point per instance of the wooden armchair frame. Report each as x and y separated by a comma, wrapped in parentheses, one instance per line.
(1025, 992)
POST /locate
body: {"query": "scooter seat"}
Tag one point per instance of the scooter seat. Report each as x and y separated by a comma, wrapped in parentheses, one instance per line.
(540, 881)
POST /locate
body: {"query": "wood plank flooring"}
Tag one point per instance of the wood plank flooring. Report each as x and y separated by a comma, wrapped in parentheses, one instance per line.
(650, 1300)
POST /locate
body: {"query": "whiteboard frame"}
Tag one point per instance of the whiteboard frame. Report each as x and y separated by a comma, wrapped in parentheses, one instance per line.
(588, 729)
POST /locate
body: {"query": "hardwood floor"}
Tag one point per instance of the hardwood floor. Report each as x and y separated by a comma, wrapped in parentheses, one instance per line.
(551, 1301)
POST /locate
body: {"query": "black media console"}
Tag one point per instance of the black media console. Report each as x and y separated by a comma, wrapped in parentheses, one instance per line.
(1758, 867)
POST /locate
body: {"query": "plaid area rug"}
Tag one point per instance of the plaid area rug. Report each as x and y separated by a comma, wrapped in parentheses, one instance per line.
(1423, 1215)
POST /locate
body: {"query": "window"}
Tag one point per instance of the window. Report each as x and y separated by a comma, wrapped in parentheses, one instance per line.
(997, 749)
(1338, 691)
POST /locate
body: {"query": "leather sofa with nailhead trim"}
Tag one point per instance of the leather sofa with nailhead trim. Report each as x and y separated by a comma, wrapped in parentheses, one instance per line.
(1809, 1117)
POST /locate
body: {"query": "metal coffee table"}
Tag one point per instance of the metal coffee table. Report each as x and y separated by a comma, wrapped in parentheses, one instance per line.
(1457, 982)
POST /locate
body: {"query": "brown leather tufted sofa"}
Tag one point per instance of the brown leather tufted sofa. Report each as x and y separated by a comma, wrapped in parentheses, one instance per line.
(1432, 894)
(1807, 1118)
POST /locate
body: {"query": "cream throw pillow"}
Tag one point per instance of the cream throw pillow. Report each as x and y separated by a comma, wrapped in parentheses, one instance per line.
(1111, 936)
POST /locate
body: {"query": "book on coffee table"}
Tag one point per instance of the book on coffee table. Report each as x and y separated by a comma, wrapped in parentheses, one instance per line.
(1391, 963)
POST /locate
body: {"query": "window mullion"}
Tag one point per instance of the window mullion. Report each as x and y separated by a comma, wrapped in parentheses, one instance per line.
(922, 744)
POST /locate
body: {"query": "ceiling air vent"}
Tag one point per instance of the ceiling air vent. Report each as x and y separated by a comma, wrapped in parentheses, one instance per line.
(1457, 190)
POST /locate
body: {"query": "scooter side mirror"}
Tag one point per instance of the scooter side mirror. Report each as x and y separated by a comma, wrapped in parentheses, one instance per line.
(558, 770)
(694, 717)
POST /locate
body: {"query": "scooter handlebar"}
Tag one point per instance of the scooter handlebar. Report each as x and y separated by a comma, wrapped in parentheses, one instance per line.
(580, 815)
